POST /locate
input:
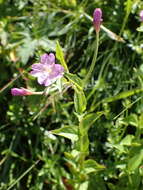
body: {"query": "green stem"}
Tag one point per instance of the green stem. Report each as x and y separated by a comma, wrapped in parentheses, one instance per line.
(128, 11)
(93, 60)
(96, 86)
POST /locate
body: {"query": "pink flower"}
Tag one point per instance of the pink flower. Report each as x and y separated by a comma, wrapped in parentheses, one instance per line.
(20, 92)
(47, 72)
(141, 15)
(97, 19)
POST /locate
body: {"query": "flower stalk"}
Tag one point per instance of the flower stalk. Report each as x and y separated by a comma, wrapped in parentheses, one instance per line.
(97, 19)
(96, 44)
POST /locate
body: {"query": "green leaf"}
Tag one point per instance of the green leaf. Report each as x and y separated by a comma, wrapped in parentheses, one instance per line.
(79, 101)
(135, 161)
(88, 120)
(72, 155)
(60, 31)
(141, 121)
(69, 132)
(60, 56)
(91, 166)
(127, 140)
(84, 186)
(132, 119)
(27, 49)
(11, 153)
(119, 96)
(75, 80)
(120, 148)
(140, 29)
(123, 95)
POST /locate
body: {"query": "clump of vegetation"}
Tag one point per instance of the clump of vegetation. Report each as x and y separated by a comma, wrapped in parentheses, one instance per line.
(80, 126)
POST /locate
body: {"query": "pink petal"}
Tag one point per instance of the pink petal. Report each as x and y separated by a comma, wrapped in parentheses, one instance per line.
(47, 82)
(35, 73)
(51, 58)
(141, 15)
(41, 79)
(47, 59)
(44, 58)
(37, 66)
(57, 72)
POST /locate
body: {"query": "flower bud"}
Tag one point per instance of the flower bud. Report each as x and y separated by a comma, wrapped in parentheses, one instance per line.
(141, 15)
(97, 19)
(20, 92)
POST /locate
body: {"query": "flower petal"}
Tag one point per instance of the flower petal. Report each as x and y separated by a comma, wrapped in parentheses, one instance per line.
(43, 58)
(47, 82)
(51, 58)
(57, 72)
(37, 66)
(35, 73)
(47, 59)
(47, 72)
(41, 79)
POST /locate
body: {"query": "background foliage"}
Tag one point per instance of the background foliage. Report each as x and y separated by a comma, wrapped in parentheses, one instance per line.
(31, 157)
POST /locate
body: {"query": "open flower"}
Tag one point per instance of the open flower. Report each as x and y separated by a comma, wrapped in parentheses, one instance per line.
(47, 72)
(97, 19)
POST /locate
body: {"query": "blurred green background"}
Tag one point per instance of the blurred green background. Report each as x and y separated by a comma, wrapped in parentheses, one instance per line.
(32, 158)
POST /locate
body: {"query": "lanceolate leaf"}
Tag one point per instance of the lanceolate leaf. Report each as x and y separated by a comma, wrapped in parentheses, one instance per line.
(92, 166)
(79, 101)
(75, 80)
(84, 185)
(140, 29)
(123, 95)
(119, 96)
(135, 161)
(69, 132)
(88, 120)
(60, 56)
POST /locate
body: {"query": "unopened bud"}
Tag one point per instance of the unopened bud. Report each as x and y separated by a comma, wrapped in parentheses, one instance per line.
(23, 92)
(97, 19)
